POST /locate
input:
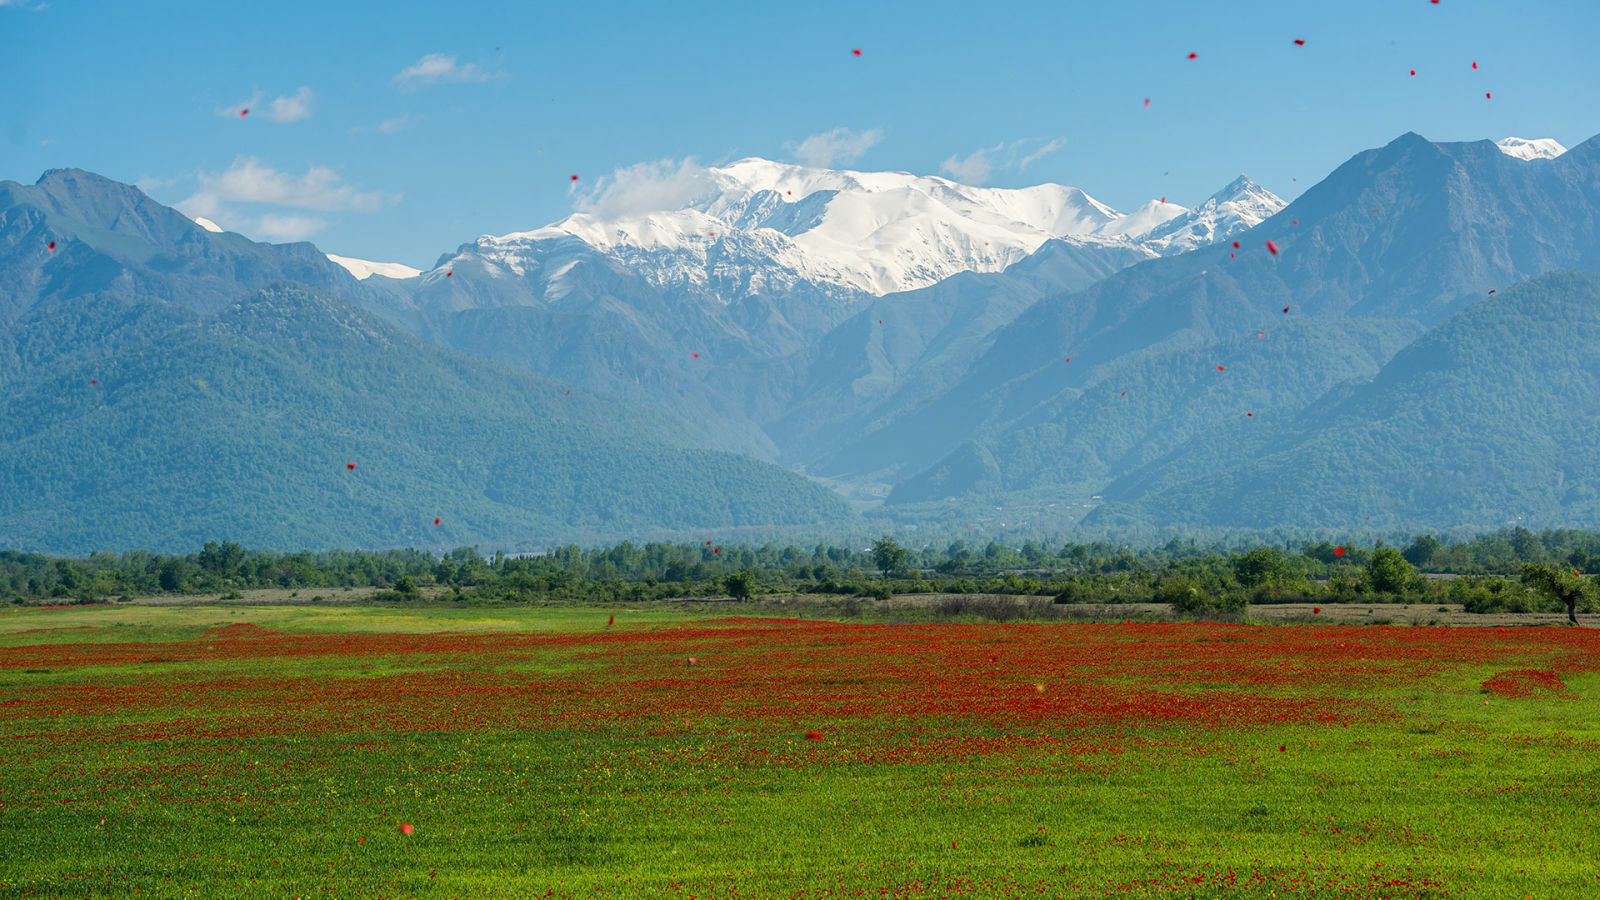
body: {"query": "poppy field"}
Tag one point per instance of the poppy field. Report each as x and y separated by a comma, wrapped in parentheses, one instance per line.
(367, 752)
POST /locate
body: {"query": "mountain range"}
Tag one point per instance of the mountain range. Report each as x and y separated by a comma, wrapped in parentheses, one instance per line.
(948, 356)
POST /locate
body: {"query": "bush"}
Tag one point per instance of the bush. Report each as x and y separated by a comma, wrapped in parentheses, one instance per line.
(1186, 598)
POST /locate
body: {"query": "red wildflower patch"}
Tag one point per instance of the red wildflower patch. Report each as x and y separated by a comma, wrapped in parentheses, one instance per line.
(1525, 683)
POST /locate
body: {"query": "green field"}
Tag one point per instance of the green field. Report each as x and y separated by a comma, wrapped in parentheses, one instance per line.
(276, 751)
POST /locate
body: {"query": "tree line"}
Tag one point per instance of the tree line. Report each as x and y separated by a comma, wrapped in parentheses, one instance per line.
(1514, 570)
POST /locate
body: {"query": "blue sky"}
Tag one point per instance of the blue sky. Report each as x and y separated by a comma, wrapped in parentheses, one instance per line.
(397, 131)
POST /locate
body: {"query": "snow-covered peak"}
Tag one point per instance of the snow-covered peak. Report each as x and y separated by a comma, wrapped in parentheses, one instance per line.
(1145, 219)
(363, 269)
(1537, 148)
(1241, 205)
(208, 225)
(869, 232)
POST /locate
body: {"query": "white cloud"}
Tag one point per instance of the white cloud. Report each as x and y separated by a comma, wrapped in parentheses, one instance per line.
(647, 187)
(281, 228)
(840, 146)
(1040, 153)
(248, 181)
(973, 169)
(291, 108)
(437, 67)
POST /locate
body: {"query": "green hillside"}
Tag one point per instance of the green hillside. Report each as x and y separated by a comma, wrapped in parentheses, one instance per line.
(240, 427)
(1491, 418)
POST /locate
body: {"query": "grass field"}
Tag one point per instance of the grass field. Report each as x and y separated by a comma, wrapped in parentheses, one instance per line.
(276, 751)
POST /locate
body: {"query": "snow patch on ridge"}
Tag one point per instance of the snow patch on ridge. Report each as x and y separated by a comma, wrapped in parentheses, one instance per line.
(1537, 148)
(363, 269)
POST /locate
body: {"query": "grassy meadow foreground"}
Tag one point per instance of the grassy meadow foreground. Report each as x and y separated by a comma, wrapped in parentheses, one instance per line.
(276, 751)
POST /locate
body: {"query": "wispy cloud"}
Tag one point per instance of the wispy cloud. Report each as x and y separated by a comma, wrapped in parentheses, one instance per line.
(979, 165)
(291, 108)
(280, 228)
(437, 67)
(647, 187)
(149, 183)
(248, 181)
(974, 168)
(233, 199)
(399, 123)
(238, 110)
(1042, 152)
(388, 126)
(282, 110)
(840, 146)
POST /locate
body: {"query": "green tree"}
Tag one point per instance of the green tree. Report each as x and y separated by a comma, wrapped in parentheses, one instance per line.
(1388, 571)
(740, 585)
(1263, 565)
(889, 556)
(1422, 550)
(1569, 590)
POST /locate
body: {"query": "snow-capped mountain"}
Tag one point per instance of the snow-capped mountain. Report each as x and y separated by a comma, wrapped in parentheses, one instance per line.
(1240, 206)
(363, 269)
(762, 227)
(1537, 148)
